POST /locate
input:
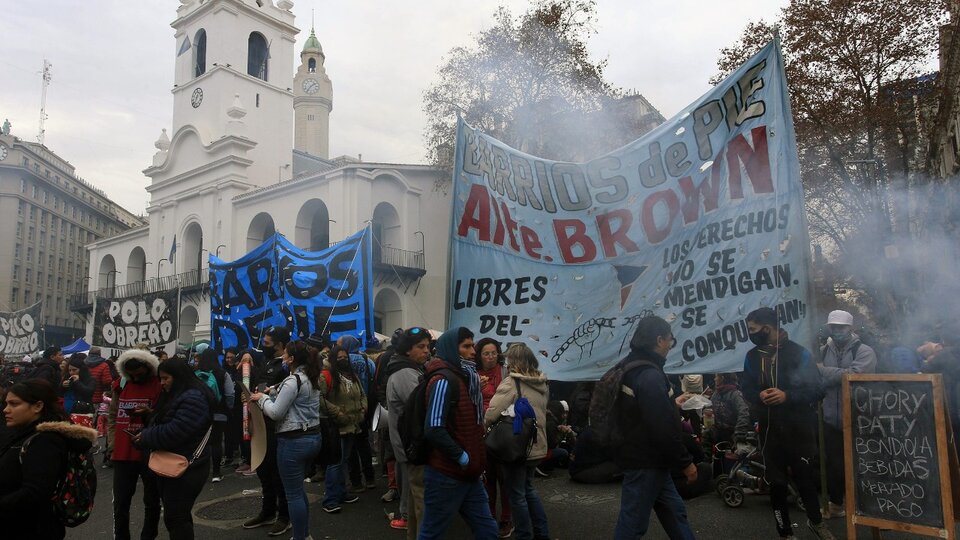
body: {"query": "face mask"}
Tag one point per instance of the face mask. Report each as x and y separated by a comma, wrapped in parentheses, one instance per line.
(268, 352)
(840, 338)
(759, 338)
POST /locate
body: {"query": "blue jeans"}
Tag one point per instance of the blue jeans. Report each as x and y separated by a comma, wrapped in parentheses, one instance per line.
(651, 489)
(335, 482)
(444, 496)
(294, 455)
(529, 518)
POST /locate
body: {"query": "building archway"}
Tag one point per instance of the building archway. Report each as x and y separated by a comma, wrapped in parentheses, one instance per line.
(136, 266)
(261, 228)
(387, 312)
(107, 274)
(192, 257)
(200, 53)
(386, 229)
(258, 55)
(187, 324)
(313, 226)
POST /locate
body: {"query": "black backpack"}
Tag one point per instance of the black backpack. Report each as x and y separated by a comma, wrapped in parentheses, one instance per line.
(76, 490)
(413, 417)
(603, 404)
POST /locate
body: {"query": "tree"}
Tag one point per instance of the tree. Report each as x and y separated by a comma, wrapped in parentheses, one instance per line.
(855, 70)
(529, 82)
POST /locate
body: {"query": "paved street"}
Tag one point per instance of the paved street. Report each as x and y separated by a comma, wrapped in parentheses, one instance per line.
(575, 511)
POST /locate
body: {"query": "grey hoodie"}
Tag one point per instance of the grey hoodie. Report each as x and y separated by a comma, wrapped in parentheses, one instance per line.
(836, 362)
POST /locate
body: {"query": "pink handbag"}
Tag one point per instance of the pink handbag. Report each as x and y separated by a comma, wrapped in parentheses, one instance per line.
(171, 465)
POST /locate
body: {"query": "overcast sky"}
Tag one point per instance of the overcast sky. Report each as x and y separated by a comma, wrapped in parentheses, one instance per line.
(113, 69)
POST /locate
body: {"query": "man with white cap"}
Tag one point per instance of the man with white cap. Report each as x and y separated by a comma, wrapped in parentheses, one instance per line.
(843, 353)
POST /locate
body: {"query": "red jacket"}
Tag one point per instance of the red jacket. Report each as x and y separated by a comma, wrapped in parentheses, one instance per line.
(131, 396)
(463, 431)
(102, 376)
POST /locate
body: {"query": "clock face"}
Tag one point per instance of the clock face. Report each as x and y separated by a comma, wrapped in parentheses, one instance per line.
(311, 86)
(197, 98)
(3, 152)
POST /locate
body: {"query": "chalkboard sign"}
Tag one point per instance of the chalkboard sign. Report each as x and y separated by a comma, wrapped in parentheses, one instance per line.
(898, 470)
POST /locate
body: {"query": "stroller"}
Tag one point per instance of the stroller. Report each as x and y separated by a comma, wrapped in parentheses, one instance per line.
(743, 468)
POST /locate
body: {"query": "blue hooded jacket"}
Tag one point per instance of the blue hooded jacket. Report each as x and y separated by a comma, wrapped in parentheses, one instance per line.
(363, 367)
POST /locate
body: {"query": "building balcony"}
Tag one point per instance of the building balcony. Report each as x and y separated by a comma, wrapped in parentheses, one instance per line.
(390, 265)
(390, 259)
(192, 282)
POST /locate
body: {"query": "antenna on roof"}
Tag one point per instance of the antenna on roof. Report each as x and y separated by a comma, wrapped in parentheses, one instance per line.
(43, 99)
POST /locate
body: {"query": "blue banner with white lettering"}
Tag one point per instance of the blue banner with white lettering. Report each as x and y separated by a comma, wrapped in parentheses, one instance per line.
(699, 222)
(279, 284)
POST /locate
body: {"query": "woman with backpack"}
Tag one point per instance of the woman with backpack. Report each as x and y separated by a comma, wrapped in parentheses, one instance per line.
(295, 406)
(221, 384)
(181, 425)
(525, 383)
(33, 460)
(344, 401)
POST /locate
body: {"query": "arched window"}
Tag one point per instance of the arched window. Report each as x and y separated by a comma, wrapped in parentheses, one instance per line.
(312, 65)
(200, 53)
(257, 55)
(261, 228)
(313, 226)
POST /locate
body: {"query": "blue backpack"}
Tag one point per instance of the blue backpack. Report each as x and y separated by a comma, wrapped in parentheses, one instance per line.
(211, 381)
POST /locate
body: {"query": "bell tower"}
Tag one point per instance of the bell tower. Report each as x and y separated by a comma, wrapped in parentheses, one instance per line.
(313, 101)
(232, 54)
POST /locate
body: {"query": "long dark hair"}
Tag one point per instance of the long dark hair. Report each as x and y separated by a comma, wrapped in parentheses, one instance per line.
(39, 390)
(336, 372)
(209, 362)
(297, 350)
(77, 362)
(183, 379)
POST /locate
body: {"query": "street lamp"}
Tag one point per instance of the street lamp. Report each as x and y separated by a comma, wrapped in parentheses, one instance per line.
(160, 265)
(423, 247)
(218, 249)
(114, 284)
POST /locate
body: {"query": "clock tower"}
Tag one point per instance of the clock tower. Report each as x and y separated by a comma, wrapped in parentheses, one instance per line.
(313, 101)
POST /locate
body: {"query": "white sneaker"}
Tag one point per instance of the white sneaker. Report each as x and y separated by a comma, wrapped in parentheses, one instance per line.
(820, 530)
(216, 479)
(837, 510)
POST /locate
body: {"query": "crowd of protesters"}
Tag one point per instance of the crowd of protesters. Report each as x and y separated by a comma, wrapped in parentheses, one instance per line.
(333, 412)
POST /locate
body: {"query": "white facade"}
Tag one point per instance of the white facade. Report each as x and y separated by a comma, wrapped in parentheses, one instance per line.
(216, 182)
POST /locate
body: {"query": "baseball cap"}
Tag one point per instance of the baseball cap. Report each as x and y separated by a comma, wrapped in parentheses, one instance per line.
(840, 317)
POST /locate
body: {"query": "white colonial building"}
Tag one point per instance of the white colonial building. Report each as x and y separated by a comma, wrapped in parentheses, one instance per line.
(247, 155)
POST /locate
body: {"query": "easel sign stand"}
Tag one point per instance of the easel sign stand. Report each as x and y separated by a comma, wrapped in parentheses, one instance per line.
(899, 454)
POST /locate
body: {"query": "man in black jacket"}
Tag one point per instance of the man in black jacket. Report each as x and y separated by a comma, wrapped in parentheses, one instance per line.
(275, 341)
(652, 438)
(781, 384)
(48, 367)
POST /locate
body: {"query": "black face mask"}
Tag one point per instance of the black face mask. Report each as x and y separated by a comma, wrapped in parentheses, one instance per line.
(268, 352)
(759, 338)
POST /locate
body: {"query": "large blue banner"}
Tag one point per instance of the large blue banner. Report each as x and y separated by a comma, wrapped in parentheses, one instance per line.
(700, 222)
(280, 284)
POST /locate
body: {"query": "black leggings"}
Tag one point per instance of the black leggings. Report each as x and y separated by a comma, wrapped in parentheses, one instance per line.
(178, 496)
(361, 459)
(216, 446)
(125, 477)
